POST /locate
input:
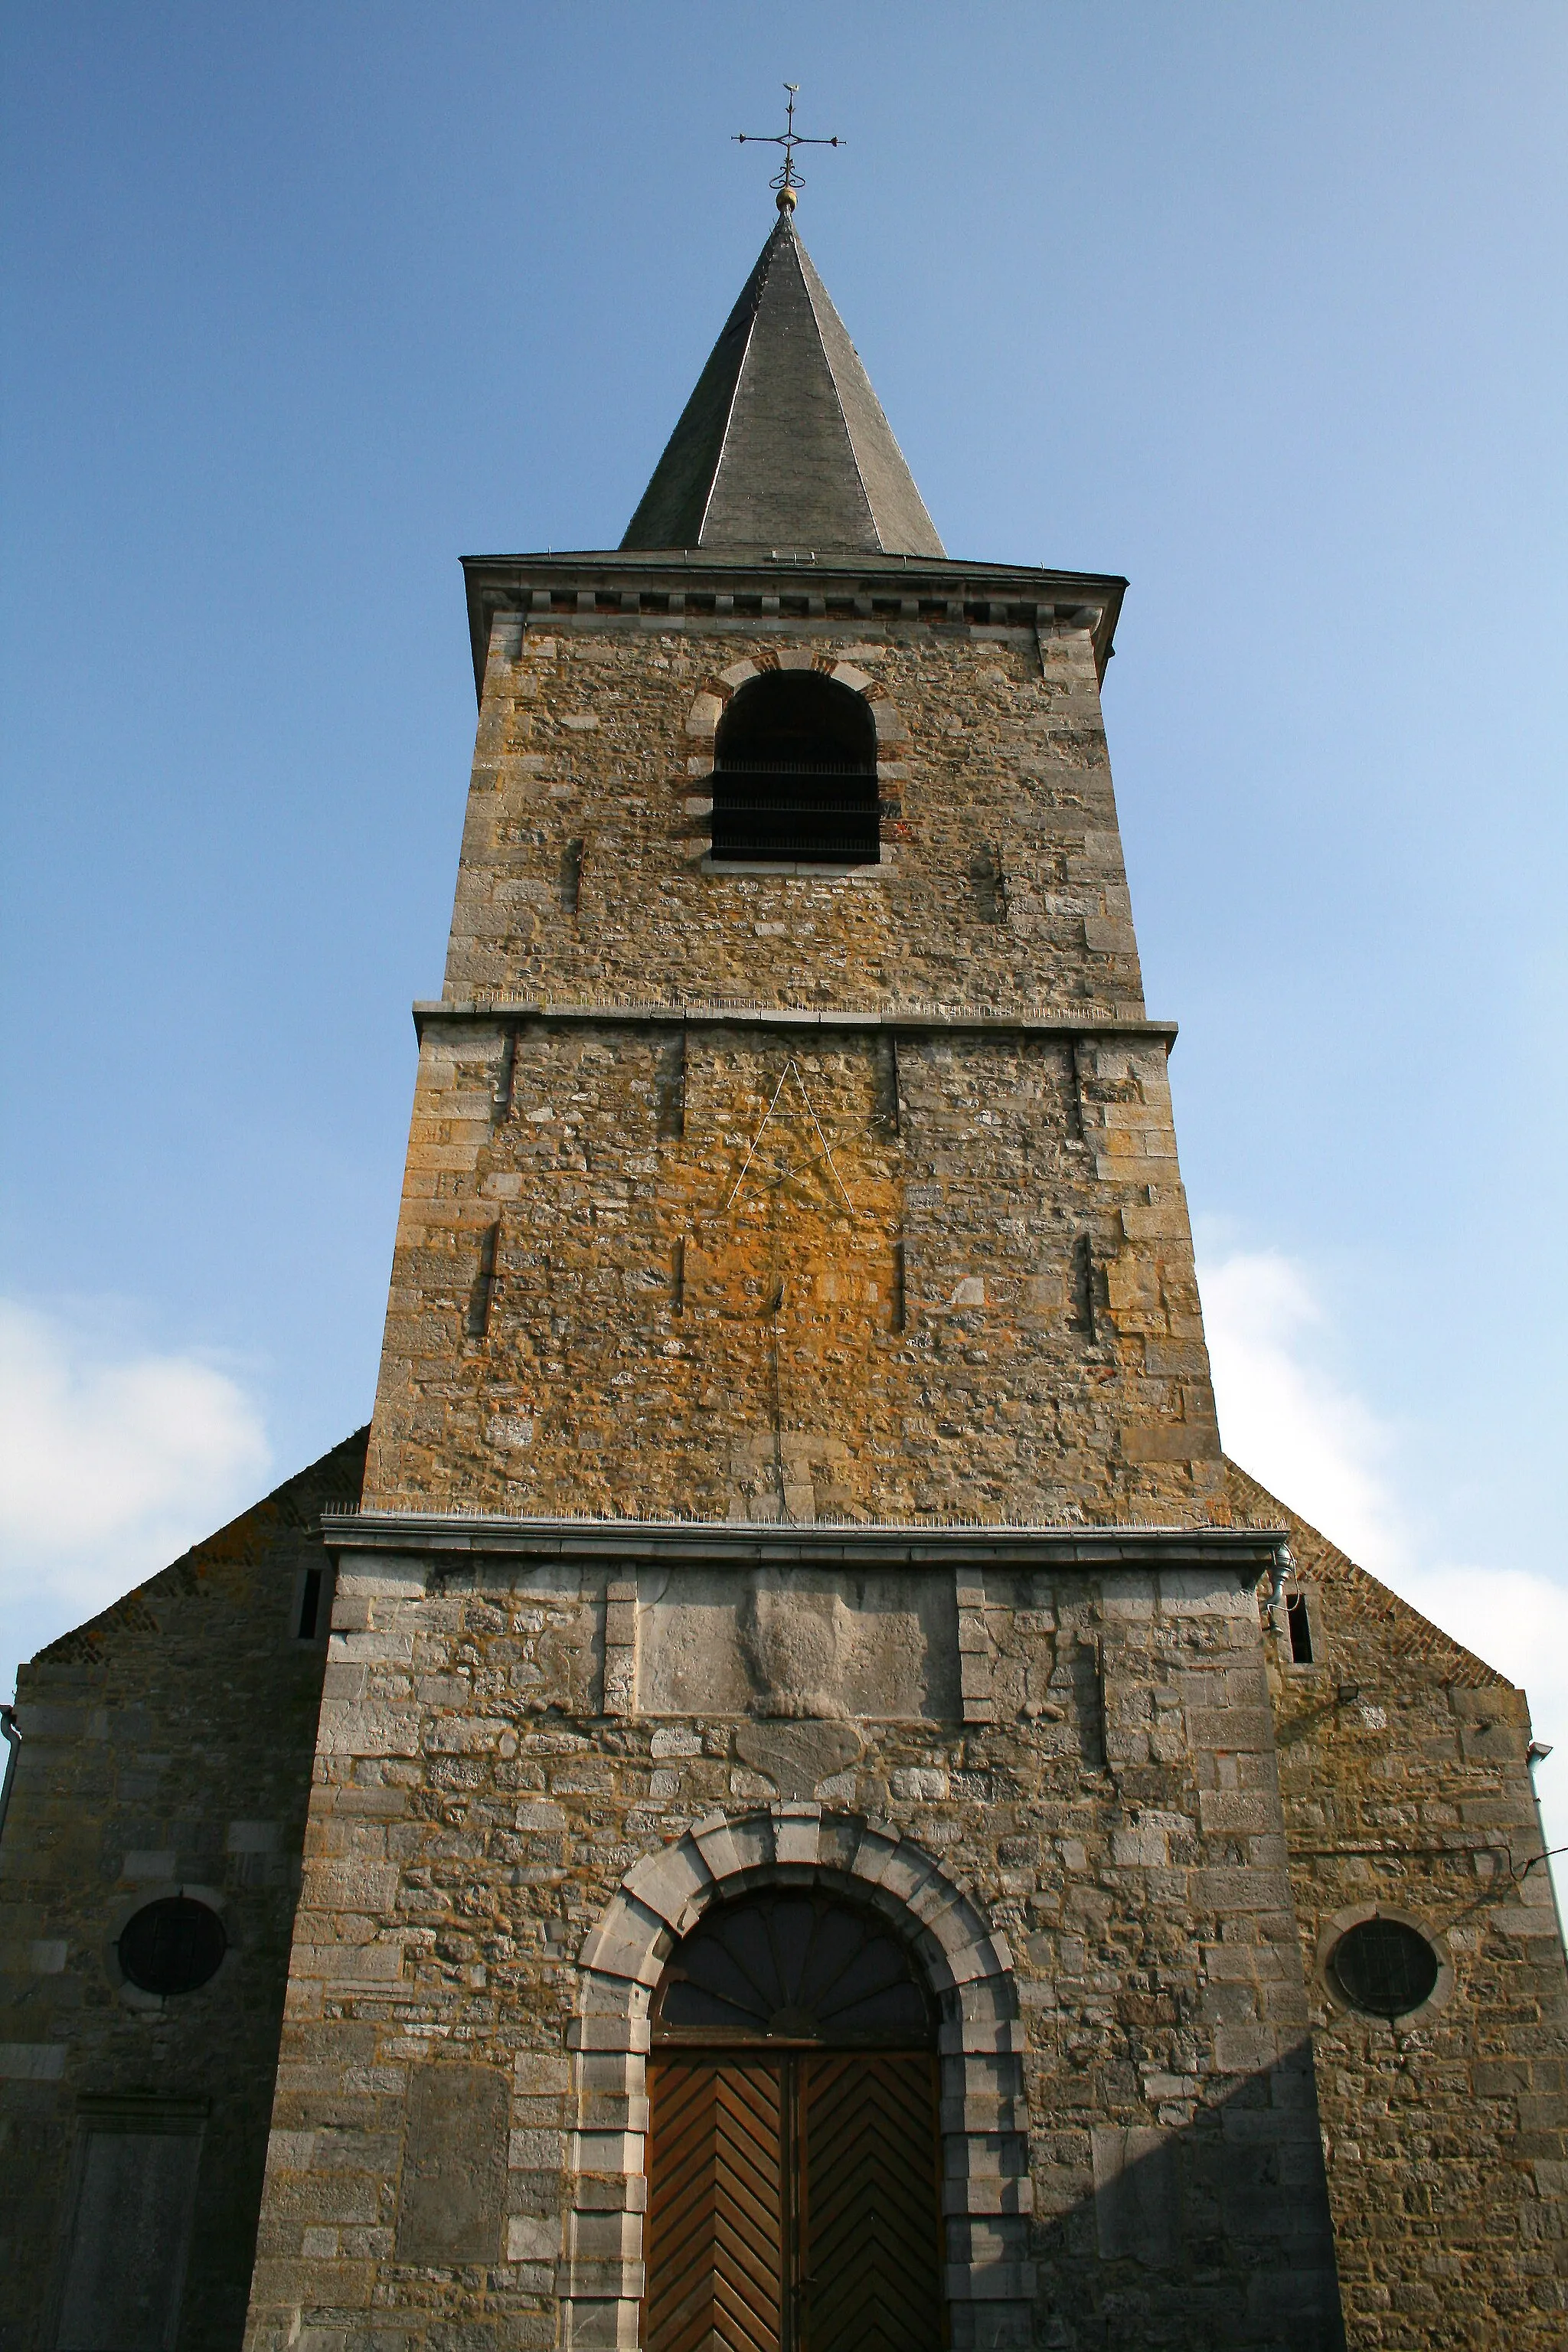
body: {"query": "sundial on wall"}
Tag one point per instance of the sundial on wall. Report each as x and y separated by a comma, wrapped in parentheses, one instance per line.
(806, 1213)
(791, 1252)
(788, 1137)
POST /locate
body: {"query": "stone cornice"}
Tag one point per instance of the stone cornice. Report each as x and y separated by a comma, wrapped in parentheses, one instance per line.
(899, 1020)
(691, 588)
(1248, 1553)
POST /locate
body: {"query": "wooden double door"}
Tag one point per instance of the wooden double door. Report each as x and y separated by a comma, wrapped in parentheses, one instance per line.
(793, 2202)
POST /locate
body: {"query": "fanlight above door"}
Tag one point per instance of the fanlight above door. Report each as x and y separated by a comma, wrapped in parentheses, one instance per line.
(790, 1968)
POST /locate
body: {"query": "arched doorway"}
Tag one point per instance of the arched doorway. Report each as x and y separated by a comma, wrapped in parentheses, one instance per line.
(793, 2150)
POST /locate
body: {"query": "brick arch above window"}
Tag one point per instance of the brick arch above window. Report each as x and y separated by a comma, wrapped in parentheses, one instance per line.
(708, 707)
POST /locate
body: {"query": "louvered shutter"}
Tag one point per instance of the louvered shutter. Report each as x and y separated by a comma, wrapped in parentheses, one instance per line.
(716, 2207)
(870, 2228)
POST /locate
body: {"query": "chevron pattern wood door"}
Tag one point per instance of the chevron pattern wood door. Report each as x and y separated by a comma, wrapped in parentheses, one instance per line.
(717, 2251)
(794, 2204)
(869, 2224)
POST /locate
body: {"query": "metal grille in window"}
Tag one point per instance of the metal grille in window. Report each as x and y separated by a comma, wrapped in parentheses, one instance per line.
(794, 779)
(1384, 1968)
(172, 1945)
(794, 1967)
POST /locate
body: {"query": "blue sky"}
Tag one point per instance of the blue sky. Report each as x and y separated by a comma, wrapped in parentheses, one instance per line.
(1262, 306)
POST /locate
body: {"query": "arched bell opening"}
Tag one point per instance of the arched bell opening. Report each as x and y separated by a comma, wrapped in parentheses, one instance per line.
(794, 773)
(794, 2147)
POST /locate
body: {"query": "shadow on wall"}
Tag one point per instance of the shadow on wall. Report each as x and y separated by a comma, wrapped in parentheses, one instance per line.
(1207, 2236)
(165, 1779)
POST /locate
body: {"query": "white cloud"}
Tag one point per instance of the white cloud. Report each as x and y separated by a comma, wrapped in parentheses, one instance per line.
(113, 1460)
(1513, 1618)
(1286, 1417)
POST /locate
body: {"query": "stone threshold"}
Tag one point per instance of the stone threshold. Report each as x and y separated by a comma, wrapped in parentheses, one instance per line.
(1248, 1553)
(911, 1020)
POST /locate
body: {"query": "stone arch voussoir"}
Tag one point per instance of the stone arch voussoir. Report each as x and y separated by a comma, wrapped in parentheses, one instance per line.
(709, 704)
(986, 2184)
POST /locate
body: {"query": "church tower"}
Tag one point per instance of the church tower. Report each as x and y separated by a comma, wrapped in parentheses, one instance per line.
(791, 1140)
(793, 1631)
(784, 1796)
(796, 1861)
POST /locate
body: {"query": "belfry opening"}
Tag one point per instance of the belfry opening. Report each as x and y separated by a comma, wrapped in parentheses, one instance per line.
(795, 773)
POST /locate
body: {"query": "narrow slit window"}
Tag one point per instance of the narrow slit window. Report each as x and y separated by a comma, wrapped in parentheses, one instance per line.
(1298, 1629)
(669, 1089)
(795, 776)
(1083, 1285)
(571, 875)
(989, 884)
(477, 1320)
(500, 1093)
(887, 1080)
(1074, 1092)
(310, 1604)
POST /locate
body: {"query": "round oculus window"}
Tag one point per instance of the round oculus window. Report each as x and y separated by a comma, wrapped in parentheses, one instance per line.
(1384, 1968)
(172, 1945)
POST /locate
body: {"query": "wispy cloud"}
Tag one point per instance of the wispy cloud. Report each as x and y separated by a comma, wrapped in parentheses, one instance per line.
(1289, 1415)
(1286, 1418)
(113, 1459)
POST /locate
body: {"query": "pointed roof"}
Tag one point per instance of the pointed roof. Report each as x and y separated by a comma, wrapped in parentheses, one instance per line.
(784, 443)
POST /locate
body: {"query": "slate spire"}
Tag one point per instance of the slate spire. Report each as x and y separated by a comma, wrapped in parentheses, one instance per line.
(784, 443)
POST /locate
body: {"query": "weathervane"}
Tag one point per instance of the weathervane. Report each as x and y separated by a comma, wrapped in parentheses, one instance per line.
(787, 182)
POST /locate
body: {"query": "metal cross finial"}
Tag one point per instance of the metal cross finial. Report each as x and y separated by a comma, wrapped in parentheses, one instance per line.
(787, 182)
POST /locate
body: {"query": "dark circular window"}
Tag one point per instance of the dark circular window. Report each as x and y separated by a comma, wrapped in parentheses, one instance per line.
(1384, 1968)
(172, 1945)
(793, 1967)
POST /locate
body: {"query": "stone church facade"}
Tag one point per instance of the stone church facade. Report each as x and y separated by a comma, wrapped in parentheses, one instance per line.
(785, 1793)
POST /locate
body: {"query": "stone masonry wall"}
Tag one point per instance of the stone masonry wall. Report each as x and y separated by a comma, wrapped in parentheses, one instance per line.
(992, 756)
(979, 1298)
(750, 1269)
(1406, 1790)
(790, 1198)
(1116, 1827)
(167, 1743)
